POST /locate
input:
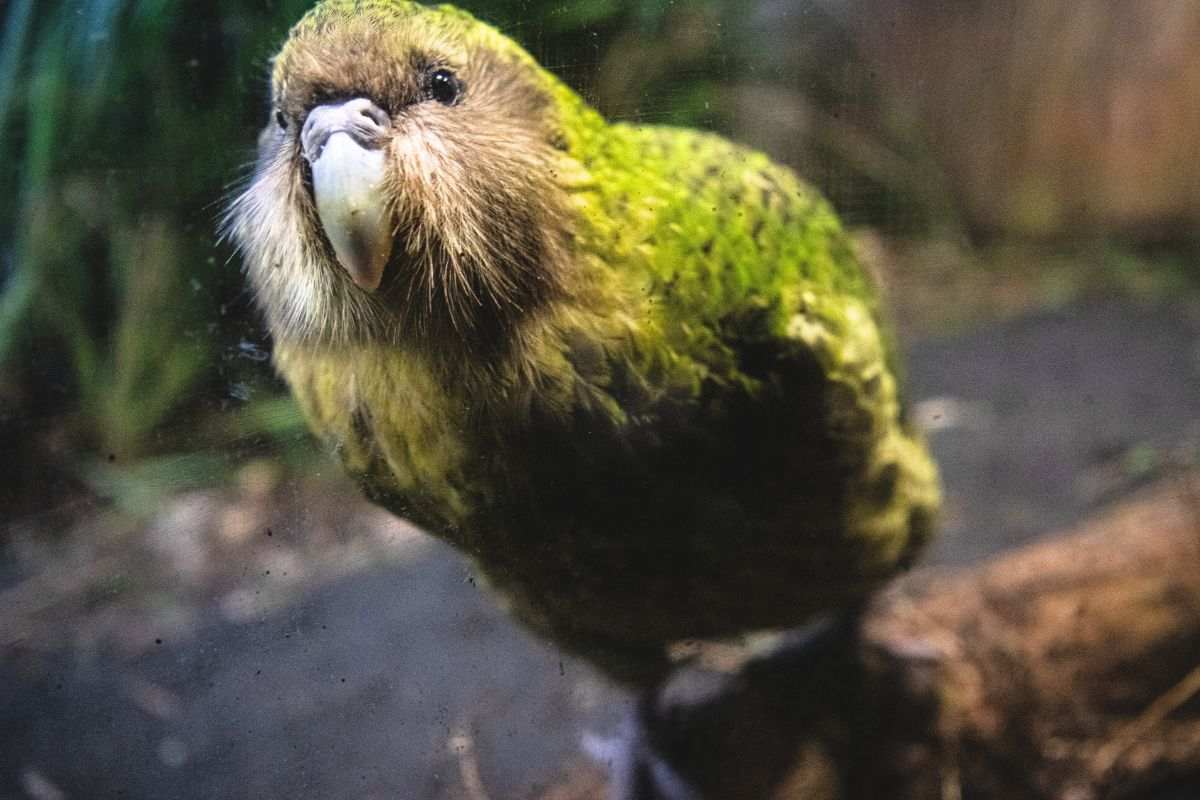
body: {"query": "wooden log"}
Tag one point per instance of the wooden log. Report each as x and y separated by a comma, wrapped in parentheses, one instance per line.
(1068, 669)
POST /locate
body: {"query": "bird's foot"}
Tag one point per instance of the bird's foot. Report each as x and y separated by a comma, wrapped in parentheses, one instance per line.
(636, 771)
(703, 734)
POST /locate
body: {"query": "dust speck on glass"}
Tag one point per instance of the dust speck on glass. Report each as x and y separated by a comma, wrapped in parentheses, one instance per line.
(600, 399)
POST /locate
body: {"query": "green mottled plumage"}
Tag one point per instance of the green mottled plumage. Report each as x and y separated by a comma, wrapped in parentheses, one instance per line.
(697, 434)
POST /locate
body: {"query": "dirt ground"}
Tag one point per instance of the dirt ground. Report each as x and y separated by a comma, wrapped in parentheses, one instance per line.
(283, 639)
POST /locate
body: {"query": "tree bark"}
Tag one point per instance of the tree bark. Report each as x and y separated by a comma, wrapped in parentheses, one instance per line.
(1067, 669)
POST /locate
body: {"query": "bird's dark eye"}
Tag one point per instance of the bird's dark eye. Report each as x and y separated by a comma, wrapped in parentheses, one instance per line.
(444, 86)
(281, 120)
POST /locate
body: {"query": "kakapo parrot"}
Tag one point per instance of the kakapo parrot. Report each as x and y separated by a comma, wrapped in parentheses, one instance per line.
(635, 373)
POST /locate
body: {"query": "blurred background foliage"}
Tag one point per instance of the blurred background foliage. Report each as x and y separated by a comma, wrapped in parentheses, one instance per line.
(962, 134)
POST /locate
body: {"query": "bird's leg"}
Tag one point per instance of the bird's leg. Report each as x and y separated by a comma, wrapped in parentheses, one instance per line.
(703, 734)
(636, 772)
(640, 772)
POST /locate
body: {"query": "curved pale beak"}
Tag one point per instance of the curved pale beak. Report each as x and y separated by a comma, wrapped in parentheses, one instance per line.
(344, 145)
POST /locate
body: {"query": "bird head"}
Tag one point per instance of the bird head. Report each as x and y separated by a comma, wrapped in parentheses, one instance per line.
(405, 188)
